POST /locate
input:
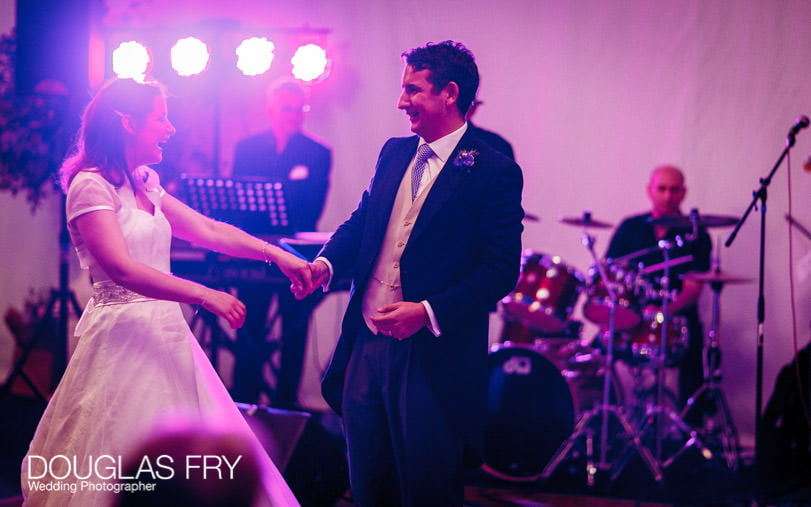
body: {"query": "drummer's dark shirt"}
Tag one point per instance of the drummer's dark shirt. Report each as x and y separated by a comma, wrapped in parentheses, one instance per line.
(636, 233)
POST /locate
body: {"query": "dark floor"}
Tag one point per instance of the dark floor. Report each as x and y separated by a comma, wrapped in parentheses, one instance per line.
(317, 471)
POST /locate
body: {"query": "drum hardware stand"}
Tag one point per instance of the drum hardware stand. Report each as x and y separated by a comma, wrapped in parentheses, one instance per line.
(722, 428)
(660, 410)
(582, 428)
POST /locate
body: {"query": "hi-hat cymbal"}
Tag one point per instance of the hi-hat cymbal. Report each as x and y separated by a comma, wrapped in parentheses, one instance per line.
(585, 221)
(715, 276)
(686, 221)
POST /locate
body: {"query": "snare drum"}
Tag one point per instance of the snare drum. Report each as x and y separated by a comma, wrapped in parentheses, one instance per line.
(630, 289)
(546, 292)
(647, 337)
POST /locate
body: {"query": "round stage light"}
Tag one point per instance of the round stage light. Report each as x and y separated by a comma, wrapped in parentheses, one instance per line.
(189, 56)
(254, 56)
(309, 62)
(131, 60)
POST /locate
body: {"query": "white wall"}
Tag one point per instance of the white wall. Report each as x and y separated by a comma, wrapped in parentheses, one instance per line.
(592, 94)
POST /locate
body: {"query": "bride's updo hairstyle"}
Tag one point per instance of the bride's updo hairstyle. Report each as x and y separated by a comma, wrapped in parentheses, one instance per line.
(100, 141)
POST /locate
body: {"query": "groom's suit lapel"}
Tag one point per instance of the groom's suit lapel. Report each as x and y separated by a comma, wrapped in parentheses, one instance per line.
(446, 184)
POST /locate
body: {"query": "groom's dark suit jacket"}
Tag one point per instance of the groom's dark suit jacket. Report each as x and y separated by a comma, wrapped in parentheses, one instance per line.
(463, 256)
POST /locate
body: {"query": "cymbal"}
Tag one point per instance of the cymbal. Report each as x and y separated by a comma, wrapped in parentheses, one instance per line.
(529, 217)
(685, 221)
(715, 276)
(585, 221)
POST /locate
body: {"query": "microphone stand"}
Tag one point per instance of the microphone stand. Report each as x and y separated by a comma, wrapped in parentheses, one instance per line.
(761, 195)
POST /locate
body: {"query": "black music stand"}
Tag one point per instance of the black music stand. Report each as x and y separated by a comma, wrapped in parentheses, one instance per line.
(257, 206)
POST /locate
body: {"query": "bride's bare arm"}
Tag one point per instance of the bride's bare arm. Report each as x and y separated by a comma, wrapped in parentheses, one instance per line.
(190, 225)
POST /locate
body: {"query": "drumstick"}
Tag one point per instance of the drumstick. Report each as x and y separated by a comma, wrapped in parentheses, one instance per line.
(673, 262)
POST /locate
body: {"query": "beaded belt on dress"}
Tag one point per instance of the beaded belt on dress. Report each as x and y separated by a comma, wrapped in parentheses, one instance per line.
(110, 293)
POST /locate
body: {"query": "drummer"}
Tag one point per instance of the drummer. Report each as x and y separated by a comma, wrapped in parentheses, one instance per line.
(666, 191)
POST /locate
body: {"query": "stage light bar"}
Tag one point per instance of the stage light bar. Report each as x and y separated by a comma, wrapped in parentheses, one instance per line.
(309, 62)
(131, 60)
(254, 56)
(189, 56)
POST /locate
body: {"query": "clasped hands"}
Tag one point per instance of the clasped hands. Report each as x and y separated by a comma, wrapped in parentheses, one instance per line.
(307, 278)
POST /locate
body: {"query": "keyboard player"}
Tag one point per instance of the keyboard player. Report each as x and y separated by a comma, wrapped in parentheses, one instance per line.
(283, 154)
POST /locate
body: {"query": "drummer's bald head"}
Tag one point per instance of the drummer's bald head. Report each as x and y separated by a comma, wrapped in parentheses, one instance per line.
(668, 171)
(666, 190)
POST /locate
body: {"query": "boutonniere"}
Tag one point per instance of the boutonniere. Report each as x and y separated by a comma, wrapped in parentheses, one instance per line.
(465, 158)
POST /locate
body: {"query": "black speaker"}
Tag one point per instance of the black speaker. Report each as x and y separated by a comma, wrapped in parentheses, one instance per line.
(277, 430)
(52, 43)
(312, 458)
(785, 439)
(318, 472)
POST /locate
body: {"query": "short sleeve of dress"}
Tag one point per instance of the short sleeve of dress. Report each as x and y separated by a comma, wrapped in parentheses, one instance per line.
(88, 192)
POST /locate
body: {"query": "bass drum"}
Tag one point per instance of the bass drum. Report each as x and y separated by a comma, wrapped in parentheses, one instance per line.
(530, 413)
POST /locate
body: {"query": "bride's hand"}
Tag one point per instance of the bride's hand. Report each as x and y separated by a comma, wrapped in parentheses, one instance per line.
(226, 306)
(296, 269)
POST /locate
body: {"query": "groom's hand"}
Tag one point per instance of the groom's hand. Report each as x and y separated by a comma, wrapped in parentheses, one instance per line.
(319, 275)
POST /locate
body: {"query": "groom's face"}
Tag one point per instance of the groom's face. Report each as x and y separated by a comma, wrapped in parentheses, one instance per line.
(427, 108)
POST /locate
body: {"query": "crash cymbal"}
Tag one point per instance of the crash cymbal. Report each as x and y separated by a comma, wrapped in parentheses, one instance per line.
(715, 276)
(686, 221)
(585, 221)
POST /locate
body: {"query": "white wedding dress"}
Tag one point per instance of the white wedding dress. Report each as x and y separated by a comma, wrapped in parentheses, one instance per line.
(136, 363)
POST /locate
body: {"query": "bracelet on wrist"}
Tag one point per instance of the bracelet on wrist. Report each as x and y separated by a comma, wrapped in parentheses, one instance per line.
(265, 254)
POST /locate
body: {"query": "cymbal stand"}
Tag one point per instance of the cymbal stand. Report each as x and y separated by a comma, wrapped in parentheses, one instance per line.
(604, 409)
(656, 416)
(717, 421)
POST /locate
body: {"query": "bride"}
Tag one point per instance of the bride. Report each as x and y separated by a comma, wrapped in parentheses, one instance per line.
(136, 363)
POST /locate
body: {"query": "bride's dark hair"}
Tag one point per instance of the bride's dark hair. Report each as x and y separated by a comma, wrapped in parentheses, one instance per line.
(100, 141)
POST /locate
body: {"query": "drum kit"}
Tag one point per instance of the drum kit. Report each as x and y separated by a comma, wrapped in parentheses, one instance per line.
(553, 396)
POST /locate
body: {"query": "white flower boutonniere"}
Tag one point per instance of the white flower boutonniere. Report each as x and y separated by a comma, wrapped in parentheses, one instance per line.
(465, 158)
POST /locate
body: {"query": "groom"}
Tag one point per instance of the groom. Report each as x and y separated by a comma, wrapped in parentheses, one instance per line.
(434, 243)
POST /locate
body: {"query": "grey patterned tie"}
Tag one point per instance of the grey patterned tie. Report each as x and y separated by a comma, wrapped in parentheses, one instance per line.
(423, 154)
